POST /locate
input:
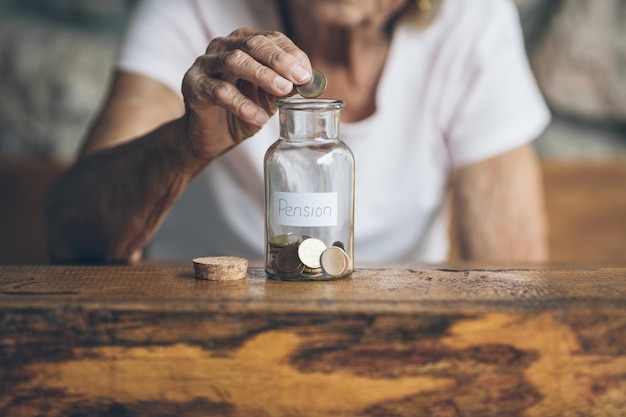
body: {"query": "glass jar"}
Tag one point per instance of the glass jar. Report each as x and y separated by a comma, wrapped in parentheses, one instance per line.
(309, 194)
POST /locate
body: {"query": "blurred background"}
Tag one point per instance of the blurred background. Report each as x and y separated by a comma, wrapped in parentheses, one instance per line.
(56, 58)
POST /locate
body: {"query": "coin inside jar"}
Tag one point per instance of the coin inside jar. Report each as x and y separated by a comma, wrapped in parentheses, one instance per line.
(287, 262)
(339, 245)
(315, 87)
(284, 240)
(310, 251)
(335, 261)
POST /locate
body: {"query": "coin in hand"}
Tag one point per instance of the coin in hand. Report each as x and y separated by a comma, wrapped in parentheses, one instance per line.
(315, 87)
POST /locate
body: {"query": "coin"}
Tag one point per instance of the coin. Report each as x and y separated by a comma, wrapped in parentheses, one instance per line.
(339, 245)
(312, 272)
(287, 262)
(309, 252)
(315, 87)
(284, 240)
(298, 257)
(335, 261)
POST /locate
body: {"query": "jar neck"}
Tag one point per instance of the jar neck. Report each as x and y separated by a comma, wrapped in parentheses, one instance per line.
(309, 119)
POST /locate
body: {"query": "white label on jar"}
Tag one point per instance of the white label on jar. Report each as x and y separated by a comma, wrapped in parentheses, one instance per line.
(304, 209)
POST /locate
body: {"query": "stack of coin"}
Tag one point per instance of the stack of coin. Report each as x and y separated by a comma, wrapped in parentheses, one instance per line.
(312, 273)
(278, 242)
(302, 257)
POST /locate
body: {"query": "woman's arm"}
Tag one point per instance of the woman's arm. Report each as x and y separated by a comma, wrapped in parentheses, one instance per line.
(107, 206)
(147, 145)
(500, 210)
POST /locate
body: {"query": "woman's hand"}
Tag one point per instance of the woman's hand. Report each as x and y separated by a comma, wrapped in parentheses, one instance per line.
(230, 91)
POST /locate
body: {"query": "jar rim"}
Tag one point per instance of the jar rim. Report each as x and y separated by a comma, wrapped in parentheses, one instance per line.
(297, 103)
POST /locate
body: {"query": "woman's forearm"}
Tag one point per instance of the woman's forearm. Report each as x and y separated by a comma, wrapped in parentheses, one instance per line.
(500, 209)
(109, 204)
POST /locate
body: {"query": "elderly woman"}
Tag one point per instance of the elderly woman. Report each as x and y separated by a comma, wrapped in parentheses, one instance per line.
(438, 97)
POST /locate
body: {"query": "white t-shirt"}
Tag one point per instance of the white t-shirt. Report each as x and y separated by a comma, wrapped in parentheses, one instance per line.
(455, 93)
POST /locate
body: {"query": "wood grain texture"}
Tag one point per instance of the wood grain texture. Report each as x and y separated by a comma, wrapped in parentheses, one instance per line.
(152, 340)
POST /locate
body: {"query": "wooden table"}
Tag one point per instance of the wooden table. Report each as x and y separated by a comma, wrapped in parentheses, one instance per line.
(152, 340)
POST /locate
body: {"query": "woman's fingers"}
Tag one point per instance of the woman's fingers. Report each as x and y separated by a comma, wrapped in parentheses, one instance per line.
(286, 44)
(243, 73)
(271, 49)
(202, 91)
(277, 52)
(237, 65)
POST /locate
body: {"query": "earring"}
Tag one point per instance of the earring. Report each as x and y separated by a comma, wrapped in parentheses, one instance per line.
(424, 5)
(424, 14)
